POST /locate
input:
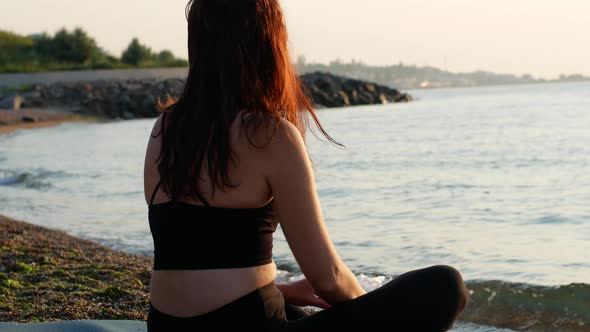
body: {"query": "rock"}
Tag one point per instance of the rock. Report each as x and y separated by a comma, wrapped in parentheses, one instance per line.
(406, 97)
(336, 91)
(174, 87)
(132, 86)
(128, 116)
(147, 106)
(12, 102)
(28, 119)
(366, 98)
(129, 99)
(32, 99)
(85, 87)
(345, 98)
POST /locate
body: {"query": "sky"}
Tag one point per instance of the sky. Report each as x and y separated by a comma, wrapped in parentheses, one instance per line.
(544, 38)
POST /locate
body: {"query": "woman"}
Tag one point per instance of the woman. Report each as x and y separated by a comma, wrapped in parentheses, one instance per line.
(225, 164)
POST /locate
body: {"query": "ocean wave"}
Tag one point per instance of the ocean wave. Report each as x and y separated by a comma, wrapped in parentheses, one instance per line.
(529, 307)
(26, 179)
(515, 306)
(470, 327)
(38, 179)
(555, 220)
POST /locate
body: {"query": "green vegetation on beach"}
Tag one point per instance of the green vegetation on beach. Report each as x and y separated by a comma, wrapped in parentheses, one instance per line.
(47, 275)
(74, 50)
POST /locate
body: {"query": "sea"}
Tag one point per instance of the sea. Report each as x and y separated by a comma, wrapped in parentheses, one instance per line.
(494, 181)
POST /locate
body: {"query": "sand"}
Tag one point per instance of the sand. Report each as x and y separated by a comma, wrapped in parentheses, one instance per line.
(11, 121)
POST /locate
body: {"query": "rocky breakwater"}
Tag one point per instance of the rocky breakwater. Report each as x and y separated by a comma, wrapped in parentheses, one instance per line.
(328, 90)
(129, 99)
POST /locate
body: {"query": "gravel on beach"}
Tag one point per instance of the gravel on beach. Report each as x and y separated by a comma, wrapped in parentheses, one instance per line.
(47, 275)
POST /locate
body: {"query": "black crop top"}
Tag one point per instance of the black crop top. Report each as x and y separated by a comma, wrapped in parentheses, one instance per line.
(199, 237)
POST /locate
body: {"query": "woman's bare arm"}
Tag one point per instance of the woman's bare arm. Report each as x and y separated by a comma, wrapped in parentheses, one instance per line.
(296, 203)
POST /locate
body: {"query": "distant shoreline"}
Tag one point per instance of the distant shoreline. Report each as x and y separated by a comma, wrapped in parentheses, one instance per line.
(20, 80)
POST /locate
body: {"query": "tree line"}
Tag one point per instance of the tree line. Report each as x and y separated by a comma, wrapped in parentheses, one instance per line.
(74, 50)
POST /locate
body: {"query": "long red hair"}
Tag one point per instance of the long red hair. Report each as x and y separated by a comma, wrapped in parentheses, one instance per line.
(239, 61)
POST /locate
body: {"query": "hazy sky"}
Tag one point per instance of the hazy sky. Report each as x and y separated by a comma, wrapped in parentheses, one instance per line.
(541, 37)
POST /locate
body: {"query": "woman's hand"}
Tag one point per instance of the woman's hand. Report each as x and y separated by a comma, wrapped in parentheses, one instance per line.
(300, 293)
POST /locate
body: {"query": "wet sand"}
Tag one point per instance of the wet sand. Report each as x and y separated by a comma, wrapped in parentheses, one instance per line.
(11, 121)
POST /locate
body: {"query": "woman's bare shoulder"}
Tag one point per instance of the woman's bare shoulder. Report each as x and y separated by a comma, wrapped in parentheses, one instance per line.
(264, 133)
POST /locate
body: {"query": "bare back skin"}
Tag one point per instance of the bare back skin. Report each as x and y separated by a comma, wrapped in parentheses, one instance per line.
(281, 172)
(181, 293)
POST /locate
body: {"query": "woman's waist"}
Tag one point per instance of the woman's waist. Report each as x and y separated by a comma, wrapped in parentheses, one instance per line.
(189, 293)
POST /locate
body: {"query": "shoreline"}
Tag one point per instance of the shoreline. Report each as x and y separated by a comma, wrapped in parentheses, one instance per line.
(47, 275)
(33, 118)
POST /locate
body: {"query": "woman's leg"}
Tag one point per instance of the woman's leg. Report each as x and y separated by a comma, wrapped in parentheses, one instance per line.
(294, 312)
(426, 300)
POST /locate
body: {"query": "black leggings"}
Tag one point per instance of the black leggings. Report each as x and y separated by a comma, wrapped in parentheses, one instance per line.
(426, 300)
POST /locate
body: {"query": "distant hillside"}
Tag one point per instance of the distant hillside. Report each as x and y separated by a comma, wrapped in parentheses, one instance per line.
(403, 76)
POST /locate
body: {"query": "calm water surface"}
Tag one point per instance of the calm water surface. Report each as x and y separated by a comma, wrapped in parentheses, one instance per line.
(494, 181)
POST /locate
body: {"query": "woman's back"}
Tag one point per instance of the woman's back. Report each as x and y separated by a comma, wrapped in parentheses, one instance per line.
(181, 292)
